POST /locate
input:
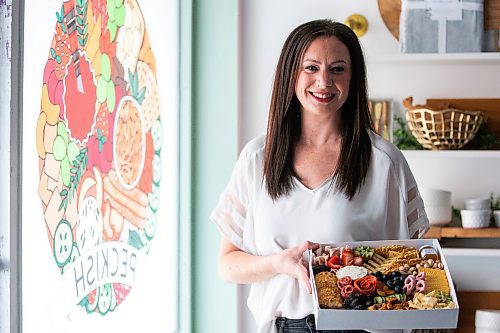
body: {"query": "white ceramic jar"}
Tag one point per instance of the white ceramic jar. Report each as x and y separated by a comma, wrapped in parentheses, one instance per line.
(437, 204)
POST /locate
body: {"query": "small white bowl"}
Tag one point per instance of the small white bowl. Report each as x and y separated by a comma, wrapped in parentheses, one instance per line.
(496, 214)
(478, 203)
(476, 218)
(485, 330)
(488, 320)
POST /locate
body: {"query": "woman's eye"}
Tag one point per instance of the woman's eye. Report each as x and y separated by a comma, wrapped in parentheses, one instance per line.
(337, 69)
(311, 68)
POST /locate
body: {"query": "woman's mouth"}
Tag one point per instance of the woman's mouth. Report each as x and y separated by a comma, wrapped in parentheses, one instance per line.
(322, 97)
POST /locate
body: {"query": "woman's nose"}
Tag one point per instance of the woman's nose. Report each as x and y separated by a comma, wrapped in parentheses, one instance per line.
(324, 79)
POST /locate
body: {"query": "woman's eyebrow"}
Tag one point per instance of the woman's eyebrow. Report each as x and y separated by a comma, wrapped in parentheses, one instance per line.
(319, 62)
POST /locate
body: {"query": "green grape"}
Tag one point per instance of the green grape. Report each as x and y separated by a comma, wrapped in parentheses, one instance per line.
(62, 131)
(105, 67)
(65, 171)
(110, 4)
(102, 86)
(73, 151)
(110, 96)
(120, 15)
(112, 29)
(118, 3)
(59, 148)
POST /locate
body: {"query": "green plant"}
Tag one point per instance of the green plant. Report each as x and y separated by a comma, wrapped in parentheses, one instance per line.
(455, 213)
(495, 202)
(484, 138)
(403, 138)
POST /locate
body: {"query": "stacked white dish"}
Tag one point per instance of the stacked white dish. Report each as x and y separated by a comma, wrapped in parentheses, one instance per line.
(478, 204)
(437, 205)
(496, 215)
(477, 213)
(487, 321)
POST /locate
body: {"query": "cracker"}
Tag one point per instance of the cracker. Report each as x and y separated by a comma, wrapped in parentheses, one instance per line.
(329, 297)
(325, 279)
(435, 279)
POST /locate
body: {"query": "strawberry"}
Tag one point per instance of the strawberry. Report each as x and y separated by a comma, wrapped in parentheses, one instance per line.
(102, 120)
(347, 256)
(358, 261)
(334, 262)
(61, 51)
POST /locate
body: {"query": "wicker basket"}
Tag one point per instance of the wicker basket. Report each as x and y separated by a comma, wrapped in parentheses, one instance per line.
(444, 129)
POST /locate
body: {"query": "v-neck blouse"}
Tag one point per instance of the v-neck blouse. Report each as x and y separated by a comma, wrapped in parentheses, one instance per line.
(252, 221)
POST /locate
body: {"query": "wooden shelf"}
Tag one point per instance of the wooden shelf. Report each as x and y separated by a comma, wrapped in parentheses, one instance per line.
(453, 153)
(451, 232)
(437, 58)
(469, 302)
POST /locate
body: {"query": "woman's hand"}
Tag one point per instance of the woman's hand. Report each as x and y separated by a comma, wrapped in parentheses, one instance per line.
(289, 262)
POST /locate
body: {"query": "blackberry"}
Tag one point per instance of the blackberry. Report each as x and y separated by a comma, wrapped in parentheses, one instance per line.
(320, 268)
(354, 303)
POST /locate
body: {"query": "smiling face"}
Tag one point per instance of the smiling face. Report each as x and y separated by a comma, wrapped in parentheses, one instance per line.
(324, 75)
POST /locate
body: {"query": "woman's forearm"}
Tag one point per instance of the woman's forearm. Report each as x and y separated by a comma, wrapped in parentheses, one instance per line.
(238, 266)
(241, 267)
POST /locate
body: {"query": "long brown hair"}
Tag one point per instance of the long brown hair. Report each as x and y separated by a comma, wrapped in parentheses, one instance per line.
(283, 126)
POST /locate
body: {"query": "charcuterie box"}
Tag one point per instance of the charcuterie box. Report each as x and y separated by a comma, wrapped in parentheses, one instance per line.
(425, 297)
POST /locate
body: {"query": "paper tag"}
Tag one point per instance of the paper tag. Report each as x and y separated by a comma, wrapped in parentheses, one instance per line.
(445, 9)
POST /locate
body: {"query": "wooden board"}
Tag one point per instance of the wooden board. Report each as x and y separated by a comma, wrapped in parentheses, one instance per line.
(390, 11)
(452, 232)
(469, 302)
(491, 14)
(490, 107)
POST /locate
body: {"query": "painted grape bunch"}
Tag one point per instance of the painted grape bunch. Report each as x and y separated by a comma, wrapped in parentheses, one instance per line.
(98, 138)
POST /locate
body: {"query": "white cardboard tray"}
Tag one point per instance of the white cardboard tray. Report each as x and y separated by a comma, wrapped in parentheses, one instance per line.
(327, 319)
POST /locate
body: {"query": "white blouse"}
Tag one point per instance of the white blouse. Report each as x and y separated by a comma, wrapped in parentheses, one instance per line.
(388, 206)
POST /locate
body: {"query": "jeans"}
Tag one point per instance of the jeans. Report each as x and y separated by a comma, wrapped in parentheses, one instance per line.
(304, 325)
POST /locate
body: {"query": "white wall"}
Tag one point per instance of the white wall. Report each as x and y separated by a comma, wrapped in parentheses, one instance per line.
(266, 24)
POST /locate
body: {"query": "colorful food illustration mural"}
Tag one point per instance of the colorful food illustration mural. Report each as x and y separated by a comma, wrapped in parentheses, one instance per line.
(98, 138)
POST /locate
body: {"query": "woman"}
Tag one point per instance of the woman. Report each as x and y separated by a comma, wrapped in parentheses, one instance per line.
(320, 174)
